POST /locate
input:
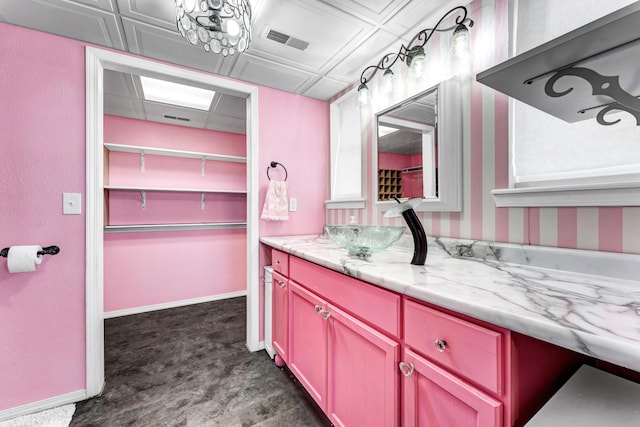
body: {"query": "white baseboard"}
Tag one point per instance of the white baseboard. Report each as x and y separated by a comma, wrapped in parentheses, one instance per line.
(52, 402)
(259, 347)
(172, 304)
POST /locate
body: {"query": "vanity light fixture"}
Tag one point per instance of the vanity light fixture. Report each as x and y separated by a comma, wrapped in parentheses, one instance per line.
(413, 54)
(221, 26)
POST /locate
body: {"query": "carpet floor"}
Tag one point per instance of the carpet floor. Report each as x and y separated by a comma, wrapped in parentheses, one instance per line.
(189, 366)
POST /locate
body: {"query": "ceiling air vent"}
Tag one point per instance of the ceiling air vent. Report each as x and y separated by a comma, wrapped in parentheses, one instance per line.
(287, 40)
(184, 119)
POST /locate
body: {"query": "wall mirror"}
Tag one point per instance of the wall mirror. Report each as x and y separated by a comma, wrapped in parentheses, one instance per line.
(418, 150)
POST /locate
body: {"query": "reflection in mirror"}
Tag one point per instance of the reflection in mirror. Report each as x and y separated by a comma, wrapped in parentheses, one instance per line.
(407, 146)
(419, 149)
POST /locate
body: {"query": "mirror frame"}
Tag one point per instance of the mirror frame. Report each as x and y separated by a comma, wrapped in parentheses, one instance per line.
(449, 143)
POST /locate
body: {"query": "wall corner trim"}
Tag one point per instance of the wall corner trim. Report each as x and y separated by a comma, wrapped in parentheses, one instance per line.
(52, 402)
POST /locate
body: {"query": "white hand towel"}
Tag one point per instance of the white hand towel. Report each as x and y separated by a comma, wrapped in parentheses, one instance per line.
(276, 202)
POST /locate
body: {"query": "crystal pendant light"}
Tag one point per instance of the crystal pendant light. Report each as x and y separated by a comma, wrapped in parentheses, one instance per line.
(220, 26)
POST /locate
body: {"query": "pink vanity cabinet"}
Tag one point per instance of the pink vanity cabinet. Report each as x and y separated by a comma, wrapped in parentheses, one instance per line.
(280, 306)
(280, 317)
(340, 345)
(459, 371)
(371, 357)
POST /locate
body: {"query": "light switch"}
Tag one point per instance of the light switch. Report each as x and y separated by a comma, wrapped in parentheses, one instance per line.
(293, 204)
(71, 203)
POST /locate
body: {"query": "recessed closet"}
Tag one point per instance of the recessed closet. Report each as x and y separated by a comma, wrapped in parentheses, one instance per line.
(175, 200)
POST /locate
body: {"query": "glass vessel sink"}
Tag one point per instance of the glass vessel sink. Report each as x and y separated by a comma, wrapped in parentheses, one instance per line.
(364, 240)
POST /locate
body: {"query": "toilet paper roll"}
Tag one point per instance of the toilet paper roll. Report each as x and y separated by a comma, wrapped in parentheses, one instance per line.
(22, 259)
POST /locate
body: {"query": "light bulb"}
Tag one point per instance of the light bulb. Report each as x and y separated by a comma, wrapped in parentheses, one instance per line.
(460, 41)
(387, 81)
(416, 69)
(189, 5)
(363, 94)
(232, 28)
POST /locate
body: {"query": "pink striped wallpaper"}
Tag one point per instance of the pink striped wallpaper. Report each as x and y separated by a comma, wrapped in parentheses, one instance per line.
(486, 167)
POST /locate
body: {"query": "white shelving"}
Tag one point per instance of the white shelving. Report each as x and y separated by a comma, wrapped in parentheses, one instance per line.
(142, 151)
(172, 227)
(170, 189)
(173, 153)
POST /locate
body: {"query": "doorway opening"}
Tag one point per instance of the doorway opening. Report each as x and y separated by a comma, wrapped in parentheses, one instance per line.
(97, 61)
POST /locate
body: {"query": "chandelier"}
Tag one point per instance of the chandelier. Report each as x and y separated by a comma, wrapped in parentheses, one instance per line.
(413, 54)
(221, 26)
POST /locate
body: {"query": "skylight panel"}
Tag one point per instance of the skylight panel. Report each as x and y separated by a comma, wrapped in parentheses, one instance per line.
(176, 94)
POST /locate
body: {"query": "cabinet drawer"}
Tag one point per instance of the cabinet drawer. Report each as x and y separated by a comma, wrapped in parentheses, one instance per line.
(469, 350)
(376, 306)
(280, 262)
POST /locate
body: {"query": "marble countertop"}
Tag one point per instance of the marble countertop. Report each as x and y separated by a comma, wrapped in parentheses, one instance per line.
(592, 314)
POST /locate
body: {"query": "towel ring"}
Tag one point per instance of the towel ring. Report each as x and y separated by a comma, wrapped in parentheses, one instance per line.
(273, 165)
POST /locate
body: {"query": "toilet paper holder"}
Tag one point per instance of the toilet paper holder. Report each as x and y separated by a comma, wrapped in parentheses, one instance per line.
(49, 250)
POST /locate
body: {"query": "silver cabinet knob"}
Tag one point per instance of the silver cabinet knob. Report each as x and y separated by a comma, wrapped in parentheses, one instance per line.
(281, 283)
(406, 368)
(441, 345)
(320, 310)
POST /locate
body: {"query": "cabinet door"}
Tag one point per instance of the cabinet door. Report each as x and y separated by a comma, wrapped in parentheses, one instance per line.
(434, 397)
(308, 341)
(363, 377)
(279, 315)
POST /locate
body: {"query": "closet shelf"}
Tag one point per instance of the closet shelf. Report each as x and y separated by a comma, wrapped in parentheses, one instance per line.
(169, 189)
(173, 153)
(136, 228)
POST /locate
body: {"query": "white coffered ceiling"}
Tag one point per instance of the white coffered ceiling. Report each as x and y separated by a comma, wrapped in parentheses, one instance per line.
(344, 36)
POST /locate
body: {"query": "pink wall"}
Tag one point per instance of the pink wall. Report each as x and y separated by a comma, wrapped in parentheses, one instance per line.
(394, 161)
(300, 141)
(144, 269)
(42, 326)
(42, 115)
(294, 131)
(486, 166)
(121, 130)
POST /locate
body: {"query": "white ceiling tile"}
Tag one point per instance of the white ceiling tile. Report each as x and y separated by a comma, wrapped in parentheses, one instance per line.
(271, 74)
(230, 106)
(377, 10)
(156, 112)
(344, 36)
(368, 53)
(418, 15)
(123, 106)
(119, 84)
(170, 46)
(66, 19)
(226, 124)
(324, 27)
(325, 88)
(123, 97)
(160, 13)
(101, 4)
